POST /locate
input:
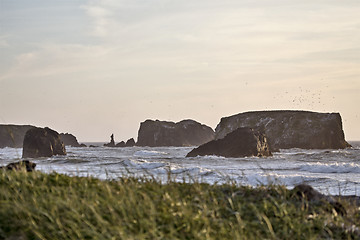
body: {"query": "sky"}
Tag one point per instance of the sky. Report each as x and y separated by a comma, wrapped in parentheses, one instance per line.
(97, 67)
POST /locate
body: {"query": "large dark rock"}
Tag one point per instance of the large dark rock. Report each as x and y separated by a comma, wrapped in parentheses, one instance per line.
(42, 142)
(290, 129)
(13, 135)
(69, 140)
(185, 133)
(243, 142)
(21, 165)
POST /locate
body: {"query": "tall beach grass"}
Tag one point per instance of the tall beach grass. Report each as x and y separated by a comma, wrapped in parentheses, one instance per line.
(54, 206)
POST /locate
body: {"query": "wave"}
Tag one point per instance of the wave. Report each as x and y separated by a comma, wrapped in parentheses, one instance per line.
(192, 170)
(142, 164)
(71, 161)
(149, 153)
(331, 168)
(211, 157)
(273, 178)
(164, 168)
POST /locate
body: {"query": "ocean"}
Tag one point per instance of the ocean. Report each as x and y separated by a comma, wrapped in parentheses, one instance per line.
(335, 172)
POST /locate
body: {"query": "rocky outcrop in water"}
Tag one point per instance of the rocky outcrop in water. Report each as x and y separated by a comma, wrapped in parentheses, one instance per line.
(290, 129)
(243, 142)
(130, 143)
(121, 144)
(42, 142)
(21, 165)
(111, 143)
(185, 133)
(69, 140)
(13, 135)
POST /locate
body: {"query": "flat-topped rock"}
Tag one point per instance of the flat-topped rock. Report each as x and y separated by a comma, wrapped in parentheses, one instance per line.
(243, 142)
(13, 135)
(162, 133)
(290, 129)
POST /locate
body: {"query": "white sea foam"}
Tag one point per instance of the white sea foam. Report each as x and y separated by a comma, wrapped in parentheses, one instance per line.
(142, 164)
(149, 153)
(184, 171)
(282, 179)
(325, 169)
(210, 157)
(331, 168)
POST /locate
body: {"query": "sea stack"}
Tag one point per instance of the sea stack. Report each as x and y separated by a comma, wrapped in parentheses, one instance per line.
(162, 133)
(42, 142)
(111, 143)
(290, 129)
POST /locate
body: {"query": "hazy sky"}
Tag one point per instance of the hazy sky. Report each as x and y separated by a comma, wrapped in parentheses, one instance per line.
(98, 67)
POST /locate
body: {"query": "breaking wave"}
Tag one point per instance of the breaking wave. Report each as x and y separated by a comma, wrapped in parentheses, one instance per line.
(331, 168)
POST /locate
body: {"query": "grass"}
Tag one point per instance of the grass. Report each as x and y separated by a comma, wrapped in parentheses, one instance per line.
(54, 206)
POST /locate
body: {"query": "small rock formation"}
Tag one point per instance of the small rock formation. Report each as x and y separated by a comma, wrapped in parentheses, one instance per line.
(121, 144)
(16, 166)
(69, 140)
(42, 142)
(130, 143)
(185, 133)
(290, 129)
(242, 142)
(13, 135)
(111, 143)
(307, 192)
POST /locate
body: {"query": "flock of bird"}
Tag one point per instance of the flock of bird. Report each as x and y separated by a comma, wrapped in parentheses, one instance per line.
(304, 98)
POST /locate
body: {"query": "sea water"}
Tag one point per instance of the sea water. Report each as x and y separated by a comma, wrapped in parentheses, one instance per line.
(335, 172)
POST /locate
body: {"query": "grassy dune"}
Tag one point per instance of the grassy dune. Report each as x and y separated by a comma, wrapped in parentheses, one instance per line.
(53, 206)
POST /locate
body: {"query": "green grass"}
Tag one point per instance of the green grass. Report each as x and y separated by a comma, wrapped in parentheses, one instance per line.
(54, 206)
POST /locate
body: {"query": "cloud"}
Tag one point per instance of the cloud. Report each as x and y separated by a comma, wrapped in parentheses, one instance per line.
(189, 55)
(173, 39)
(162, 41)
(50, 60)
